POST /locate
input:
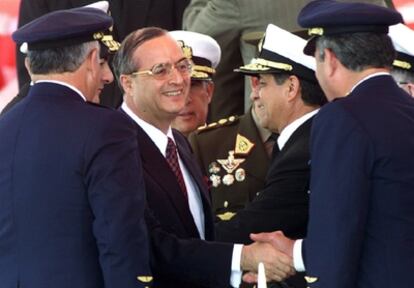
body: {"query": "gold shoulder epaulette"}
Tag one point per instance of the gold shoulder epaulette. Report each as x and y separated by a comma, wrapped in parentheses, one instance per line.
(222, 122)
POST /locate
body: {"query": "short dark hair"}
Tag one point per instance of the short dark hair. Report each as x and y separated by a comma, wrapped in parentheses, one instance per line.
(59, 60)
(123, 62)
(311, 92)
(359, 51)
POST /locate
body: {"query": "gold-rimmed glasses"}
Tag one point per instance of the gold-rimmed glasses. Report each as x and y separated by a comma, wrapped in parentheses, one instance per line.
(163, 70)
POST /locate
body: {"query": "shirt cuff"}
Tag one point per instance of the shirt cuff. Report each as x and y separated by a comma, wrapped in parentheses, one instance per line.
(236, 272)
(297, 256)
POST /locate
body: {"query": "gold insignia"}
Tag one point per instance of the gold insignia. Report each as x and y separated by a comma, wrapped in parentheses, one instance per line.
(226, 216)
(202, 127)
(402, 64)
(222, 121)
(212, 124)
(315, 31)
(230, 164)
(232, 118)
(145, 279)
(109, 42)
(187, 51)
(98, 35)
(260, 44)
(272, 64)
(243, 145)
(310, 279)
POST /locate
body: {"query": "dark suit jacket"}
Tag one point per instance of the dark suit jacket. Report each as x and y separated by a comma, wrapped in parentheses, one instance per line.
(283, 202)
(361, 218)
(71, 195)
(234, 197)
(128, 15)
(20, 96)
(180, 259)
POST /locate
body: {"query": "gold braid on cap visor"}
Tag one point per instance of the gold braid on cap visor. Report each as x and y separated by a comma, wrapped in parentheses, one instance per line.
(402, 64)
(260, 64)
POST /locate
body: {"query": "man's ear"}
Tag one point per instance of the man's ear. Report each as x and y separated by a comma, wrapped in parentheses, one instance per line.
(293, 87)
(27, 65)
(332, 63)
(92, 60)
(126, 83)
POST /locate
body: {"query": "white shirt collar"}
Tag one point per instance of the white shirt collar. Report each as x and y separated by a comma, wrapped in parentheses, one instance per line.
(289, 129)
(156, 135)
(63, 84)
(369, 77)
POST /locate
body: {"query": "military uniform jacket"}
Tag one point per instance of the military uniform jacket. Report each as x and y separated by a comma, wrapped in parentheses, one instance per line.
(283, 202)
(213, 144)
(361, 224)
(71, 195)
(180, 257)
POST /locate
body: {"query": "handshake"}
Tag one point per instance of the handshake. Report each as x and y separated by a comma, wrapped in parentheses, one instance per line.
(274, 250)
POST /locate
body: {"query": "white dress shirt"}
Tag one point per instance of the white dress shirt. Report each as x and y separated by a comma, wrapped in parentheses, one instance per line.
(160, 140)
(194, 199)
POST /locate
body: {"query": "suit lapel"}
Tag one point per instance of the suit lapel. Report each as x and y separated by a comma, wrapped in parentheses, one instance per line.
(195, 172)
(156, 167)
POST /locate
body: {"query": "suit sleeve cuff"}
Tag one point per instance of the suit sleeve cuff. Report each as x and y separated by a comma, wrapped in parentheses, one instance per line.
(297, 256)
(236, 273)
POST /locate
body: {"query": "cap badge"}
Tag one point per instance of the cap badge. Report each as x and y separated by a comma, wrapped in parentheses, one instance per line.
(316, 31)
(402, 64)
(187, 51)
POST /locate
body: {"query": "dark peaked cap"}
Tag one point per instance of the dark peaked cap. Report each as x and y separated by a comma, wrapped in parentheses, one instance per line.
(328, 17)
(63, 28)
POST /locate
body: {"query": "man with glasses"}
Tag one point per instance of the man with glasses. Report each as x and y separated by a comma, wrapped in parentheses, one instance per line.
(155, 75)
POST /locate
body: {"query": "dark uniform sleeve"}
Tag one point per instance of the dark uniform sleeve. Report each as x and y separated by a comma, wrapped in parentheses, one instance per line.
(342, 155)
(116, 193)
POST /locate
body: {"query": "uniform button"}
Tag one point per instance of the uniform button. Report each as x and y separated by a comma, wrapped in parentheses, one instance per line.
(258, 193)
(226, 204)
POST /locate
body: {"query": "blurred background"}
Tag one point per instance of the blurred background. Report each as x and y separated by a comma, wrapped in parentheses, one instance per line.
(9, 10)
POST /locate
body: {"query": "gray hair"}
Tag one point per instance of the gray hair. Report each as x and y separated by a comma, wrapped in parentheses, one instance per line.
(59, 60)
(400, 75)
(359, 51)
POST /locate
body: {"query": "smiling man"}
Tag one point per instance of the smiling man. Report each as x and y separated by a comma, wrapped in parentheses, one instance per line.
(205, 54)
(155, 75)
(289, 97)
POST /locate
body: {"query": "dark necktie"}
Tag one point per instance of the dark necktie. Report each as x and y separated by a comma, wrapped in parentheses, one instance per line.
(275, 150)
(172, 159)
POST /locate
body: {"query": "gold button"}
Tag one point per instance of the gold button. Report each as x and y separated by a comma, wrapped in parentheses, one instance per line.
(226, 204)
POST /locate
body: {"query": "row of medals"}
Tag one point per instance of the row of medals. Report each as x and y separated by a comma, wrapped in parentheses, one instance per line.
(231, 166)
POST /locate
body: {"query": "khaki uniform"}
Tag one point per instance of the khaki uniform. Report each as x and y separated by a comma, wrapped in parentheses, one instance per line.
(233, 157)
